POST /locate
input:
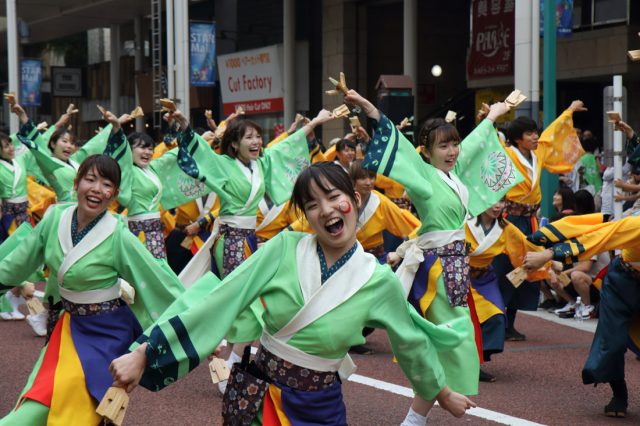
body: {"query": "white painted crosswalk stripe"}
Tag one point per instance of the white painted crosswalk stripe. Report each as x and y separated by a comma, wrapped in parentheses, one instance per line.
(483, 413)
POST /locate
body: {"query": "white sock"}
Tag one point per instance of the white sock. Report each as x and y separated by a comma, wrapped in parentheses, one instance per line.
(414, 419)
(233, 358)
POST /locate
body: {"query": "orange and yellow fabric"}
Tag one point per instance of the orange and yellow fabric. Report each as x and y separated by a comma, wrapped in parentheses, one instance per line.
(558, 151)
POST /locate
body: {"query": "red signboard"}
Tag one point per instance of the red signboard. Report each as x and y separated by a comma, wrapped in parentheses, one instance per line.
(255, 107)
(492, 39)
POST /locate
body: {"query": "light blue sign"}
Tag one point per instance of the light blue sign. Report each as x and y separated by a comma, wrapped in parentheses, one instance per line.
(31, 71)
(202, 45)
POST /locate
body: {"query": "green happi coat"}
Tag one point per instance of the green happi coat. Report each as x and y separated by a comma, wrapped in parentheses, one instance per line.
(192, 328)
(482, 175)
(119, 255)
(61, 175)
(240, 189)
(6, 248)
(147, 185)
(13, 175)
(228, 177)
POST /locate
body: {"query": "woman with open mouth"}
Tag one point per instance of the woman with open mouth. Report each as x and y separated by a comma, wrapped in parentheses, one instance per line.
(87, 250)
(241, 176)
(435, 269)
(378, 213)
(143, 209)
(58, 158)
(321, 290)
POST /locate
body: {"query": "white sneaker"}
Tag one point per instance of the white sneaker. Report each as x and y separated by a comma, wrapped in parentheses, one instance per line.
(14, 300)
(566, 308)
(38, 323)
(17, 315)
(6, 316)
(587, 310)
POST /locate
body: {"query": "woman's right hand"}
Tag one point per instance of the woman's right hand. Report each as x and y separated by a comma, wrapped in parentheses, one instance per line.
(180, 119)
(496, 110)
(355, 98)
(111, 118)
(19, 111)
(393, 259)
(127, 370)
(455, 403)
(624, 127)
(192, 229)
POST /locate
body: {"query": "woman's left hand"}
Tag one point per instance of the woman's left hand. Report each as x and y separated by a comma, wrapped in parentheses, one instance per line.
(192, 229)
(534, 260)
(127, 370)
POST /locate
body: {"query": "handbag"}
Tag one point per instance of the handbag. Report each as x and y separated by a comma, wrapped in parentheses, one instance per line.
(245, 392)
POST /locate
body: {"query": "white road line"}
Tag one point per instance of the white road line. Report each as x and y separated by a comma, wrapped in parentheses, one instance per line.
(408, 392)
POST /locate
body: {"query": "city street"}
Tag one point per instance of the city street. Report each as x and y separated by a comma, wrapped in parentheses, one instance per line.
(538, 382)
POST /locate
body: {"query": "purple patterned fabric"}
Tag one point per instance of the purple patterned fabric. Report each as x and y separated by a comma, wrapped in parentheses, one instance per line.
(153, 235)
(454, 258)
(11, 212)
(296, 377)
(233, 253)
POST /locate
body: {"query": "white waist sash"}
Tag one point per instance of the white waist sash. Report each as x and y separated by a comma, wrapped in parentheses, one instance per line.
(17, 200)
(143, 216)
(243, 222)
(90, 296)
(412, 252)
(344, 366)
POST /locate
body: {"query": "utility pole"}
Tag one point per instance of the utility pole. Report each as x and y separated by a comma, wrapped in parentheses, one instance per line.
(549, 181)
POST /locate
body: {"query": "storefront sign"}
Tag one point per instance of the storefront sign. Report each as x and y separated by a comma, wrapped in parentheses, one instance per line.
(252, 79)
(492, 42)
(66, 82)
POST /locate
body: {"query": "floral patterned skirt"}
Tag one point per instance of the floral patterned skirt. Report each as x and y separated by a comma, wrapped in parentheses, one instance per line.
(13, 215)
(299, 395)
(151, 233)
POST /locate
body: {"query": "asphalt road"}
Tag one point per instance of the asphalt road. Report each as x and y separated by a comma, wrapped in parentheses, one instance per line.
(538, 382)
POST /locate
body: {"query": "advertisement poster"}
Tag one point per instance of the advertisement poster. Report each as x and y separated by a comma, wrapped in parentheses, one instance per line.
(202, 48)
(30, 82)
(564, 18)
(252, 79)
(492, 39)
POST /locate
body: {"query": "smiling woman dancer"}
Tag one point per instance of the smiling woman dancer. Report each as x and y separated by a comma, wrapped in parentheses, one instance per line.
(320, 291)
(59, 160)
(435, 269)
(241, 176)
(86, 250)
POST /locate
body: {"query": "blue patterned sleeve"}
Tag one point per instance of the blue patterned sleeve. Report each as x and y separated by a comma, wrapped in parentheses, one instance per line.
(391, 154)
(199, 161)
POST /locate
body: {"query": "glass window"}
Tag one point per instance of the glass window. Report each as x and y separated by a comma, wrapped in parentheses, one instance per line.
(609, 11)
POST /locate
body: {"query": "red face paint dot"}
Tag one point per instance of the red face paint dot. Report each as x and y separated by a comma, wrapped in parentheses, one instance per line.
(344, 207)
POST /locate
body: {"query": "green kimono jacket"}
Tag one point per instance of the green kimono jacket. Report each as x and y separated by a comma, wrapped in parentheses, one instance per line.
(240, 189)
(107, 254)
(443, 202)
(61, 175)
(13, 176)
(284, 272)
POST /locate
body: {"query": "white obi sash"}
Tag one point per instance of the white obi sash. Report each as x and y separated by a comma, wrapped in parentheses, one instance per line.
(412, 252)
